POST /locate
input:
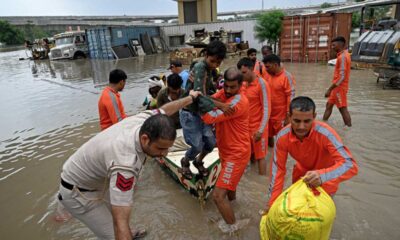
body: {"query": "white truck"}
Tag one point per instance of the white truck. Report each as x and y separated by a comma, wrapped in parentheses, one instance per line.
(69, 45)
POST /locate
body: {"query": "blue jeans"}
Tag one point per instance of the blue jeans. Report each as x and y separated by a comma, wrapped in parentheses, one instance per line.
(197, 134)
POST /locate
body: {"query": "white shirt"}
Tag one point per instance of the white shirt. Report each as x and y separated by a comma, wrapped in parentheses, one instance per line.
(113, 158)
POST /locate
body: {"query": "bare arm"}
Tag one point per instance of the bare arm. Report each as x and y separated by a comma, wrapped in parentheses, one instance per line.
(172, 107)
(121, 217)
(328, 92)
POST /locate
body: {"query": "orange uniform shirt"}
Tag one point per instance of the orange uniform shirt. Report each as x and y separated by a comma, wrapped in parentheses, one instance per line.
(259, 96)
(232, 132)
(341, 75)
(111, 109)
(260, 70)
(321, 150)
(282, 92)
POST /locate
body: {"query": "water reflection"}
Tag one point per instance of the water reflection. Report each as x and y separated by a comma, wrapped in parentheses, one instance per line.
(50, 109)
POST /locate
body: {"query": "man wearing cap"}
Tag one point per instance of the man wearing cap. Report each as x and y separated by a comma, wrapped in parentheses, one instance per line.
(97, 181)
(176, 67)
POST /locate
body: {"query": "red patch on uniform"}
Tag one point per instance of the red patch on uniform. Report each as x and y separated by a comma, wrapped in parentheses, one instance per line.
(124, 184)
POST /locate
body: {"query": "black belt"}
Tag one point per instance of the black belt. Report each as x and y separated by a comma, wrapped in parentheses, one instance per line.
(70, 186)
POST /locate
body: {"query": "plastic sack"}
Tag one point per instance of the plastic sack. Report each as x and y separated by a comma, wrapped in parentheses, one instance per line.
(299, 213)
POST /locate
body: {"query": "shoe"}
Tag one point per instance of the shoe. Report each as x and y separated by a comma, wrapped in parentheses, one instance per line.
(185, 170)
(200, 166)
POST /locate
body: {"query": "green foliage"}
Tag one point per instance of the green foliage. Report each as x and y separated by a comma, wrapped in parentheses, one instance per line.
(326, 5)
(269, 26)
(33, 32)
(355, 20)
(9, 34)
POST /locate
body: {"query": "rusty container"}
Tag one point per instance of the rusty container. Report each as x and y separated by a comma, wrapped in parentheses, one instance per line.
(291, 40)
(308, 38)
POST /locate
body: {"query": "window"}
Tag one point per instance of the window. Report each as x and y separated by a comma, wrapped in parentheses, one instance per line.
(176, 41)
(190, 12)
(233, 35)
(78, 39)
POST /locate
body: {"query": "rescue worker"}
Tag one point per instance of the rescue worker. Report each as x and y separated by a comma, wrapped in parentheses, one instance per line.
(266, 50)
(232, 133)
(282, 84)
(259, 96)
(172, 92)
(198, 135)
(337, 92)
(321, 158)
(259, 67)
(97, 181)
(111, 109)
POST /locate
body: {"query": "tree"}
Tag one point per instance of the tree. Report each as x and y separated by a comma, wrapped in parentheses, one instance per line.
(33, 32)
(326, 5)
(355, 20)
(9, 34)
(269, 26)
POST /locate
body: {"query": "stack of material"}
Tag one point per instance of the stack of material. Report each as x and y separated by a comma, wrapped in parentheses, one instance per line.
(231, 47)
(186, 55)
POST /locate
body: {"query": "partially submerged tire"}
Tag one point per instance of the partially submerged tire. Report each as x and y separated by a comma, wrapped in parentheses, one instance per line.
(79, 55)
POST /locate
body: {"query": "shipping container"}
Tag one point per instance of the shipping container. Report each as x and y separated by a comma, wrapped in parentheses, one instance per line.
(176, 35)
(307, 38)
(123, 35)
(99, 42)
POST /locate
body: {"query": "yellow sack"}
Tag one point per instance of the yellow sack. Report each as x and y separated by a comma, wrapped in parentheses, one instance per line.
(299, 214)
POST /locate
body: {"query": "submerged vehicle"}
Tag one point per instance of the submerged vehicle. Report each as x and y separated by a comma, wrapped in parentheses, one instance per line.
(40, 48)
(198, 186)
(69, 45)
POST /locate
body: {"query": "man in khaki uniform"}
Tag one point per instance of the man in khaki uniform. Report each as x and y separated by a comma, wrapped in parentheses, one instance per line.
(97, 181)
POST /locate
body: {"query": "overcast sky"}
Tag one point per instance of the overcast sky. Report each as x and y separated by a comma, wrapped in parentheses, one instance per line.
(129, 7)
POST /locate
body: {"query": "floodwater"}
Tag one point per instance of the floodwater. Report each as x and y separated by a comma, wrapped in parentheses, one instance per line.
(49, 109)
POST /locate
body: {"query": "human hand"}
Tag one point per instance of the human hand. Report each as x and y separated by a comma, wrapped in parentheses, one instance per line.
(312, 179)
(195, 94)
(257, 136)
(264, 211)
(327, 93)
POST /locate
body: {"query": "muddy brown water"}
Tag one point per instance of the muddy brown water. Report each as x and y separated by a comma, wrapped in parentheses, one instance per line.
(49, 109)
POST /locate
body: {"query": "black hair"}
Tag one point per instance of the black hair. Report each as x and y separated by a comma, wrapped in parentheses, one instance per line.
(272, 59)
(233, 74)
(159, 126)
(216, 48)
(174, 81)
(250, 51)
(303, 104)
(245, 62)
(117, 75)
(339, 39)
(265, 47)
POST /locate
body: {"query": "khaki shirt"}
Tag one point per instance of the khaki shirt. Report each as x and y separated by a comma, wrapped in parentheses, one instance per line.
(111, 160)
